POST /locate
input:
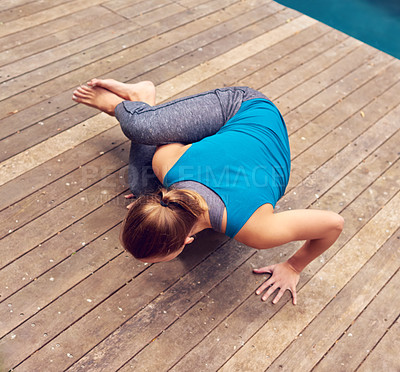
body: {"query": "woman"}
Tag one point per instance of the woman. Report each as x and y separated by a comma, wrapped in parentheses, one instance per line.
(225, 160)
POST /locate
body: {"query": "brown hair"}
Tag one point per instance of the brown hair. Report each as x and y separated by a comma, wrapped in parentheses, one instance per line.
(158, 224)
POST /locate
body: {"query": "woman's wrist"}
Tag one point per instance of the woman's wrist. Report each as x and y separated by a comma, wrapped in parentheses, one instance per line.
(301, 258)
(294, 265)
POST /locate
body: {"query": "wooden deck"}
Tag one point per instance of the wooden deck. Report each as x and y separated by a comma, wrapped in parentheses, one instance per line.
(72, 299)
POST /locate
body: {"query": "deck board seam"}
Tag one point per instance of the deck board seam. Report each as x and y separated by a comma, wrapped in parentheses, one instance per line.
(133, 46)
(363, 361)
(143, 41)
(360, 314)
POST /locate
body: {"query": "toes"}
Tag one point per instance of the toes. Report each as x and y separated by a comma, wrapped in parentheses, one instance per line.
(93, 82)
(79, 93)
(85, 89)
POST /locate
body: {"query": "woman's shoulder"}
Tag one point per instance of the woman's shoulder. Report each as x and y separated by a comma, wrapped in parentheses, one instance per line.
(165, 158)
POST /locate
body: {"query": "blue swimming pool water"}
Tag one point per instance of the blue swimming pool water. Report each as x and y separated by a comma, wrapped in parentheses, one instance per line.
(375, 22)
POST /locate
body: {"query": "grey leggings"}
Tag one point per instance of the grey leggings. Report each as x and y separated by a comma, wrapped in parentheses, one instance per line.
(185, 120)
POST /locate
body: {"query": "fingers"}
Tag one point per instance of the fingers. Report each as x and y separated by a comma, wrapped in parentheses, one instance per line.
(263, 270)
(271, 288)
(263, 287)
(294, 296)
(269, 292)
(281, 278)
(278, 296)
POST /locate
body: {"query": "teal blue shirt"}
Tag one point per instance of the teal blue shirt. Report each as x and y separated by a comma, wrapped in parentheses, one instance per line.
(247, 162)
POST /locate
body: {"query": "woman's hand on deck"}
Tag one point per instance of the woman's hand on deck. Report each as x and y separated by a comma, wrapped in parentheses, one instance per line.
(283, 276)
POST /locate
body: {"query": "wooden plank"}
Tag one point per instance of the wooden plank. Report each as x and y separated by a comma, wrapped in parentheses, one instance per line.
(349, 71)
(10, 146)
(72, 62)
(64, 66)
(63, 119)
(265, 19)
(192, 326)
(119, 5)
(277, 59)
(57, 167)
(88, 288)
(333, 94)
(96, 276)
(262, 18)
(115, 24)
(32, 20)
(36, 35)
(150, 45)
(385, 356)
(284, 79)
(348, 63)
(305, 351)
(10, 4)
(58, 256)
(136, 10)
(354, 66)
(27, 9)
(10, 276)
(382, 161)
(189, 3)
(365, 331)
(370, 99)
(54, 146)
(212, 67)
(41, 201)
(157, 14)
(318, 128)
(132, 39)
(60, 217)
(338, 166)
(368, 200)
(117, 310)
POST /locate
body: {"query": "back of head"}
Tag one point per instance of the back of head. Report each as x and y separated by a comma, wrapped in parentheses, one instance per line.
(158, 224)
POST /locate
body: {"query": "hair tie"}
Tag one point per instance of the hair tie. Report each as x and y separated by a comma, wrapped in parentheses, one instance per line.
(163, 204)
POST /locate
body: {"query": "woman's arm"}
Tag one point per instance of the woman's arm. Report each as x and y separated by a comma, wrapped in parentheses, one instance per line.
(320, 229)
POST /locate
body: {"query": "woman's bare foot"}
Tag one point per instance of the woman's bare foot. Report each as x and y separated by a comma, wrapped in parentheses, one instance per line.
(144, 91)
(99, 98)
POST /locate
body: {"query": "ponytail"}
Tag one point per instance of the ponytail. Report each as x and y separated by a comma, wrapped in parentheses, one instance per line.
(158, 224)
